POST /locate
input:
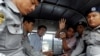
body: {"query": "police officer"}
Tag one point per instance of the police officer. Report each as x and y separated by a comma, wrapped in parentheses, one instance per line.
(11, 30)
(91, 37)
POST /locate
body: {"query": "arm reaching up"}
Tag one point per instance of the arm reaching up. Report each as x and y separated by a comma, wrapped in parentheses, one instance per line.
(62, 23)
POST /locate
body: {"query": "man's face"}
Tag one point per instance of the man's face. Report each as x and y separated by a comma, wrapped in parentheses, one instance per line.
(70, 32)
(93, 19)
(41, 31)
(27, 6)
(80, 29)
(29, 26)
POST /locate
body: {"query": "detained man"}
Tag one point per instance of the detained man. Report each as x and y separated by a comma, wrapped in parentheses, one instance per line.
(28, 24)
(36, 41)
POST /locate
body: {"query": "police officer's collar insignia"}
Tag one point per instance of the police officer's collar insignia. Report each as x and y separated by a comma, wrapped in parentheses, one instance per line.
(2, 18)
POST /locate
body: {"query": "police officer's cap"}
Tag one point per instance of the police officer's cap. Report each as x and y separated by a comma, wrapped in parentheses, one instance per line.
(93, 9)
(81, 23)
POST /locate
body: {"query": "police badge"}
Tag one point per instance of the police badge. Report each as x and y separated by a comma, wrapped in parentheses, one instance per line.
(1, 18)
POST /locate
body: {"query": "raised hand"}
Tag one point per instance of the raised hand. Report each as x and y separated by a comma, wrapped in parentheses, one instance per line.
(62, 23)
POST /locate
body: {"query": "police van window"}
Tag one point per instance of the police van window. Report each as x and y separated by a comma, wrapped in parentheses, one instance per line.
(52, 43)
(47, 42)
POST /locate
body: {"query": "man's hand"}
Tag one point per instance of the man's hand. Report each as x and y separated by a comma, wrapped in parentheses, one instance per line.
(62, 35)
(62, 23)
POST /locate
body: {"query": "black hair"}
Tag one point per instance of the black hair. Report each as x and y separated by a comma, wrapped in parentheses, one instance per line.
(71, 27)
(42, 26)
(29, 19)
(84, 24)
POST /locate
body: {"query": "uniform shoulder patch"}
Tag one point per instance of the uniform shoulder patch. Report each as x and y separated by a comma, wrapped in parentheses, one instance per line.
(2, 18)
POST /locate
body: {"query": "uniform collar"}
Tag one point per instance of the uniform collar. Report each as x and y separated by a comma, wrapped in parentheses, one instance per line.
(96, 28)
(12, 6)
